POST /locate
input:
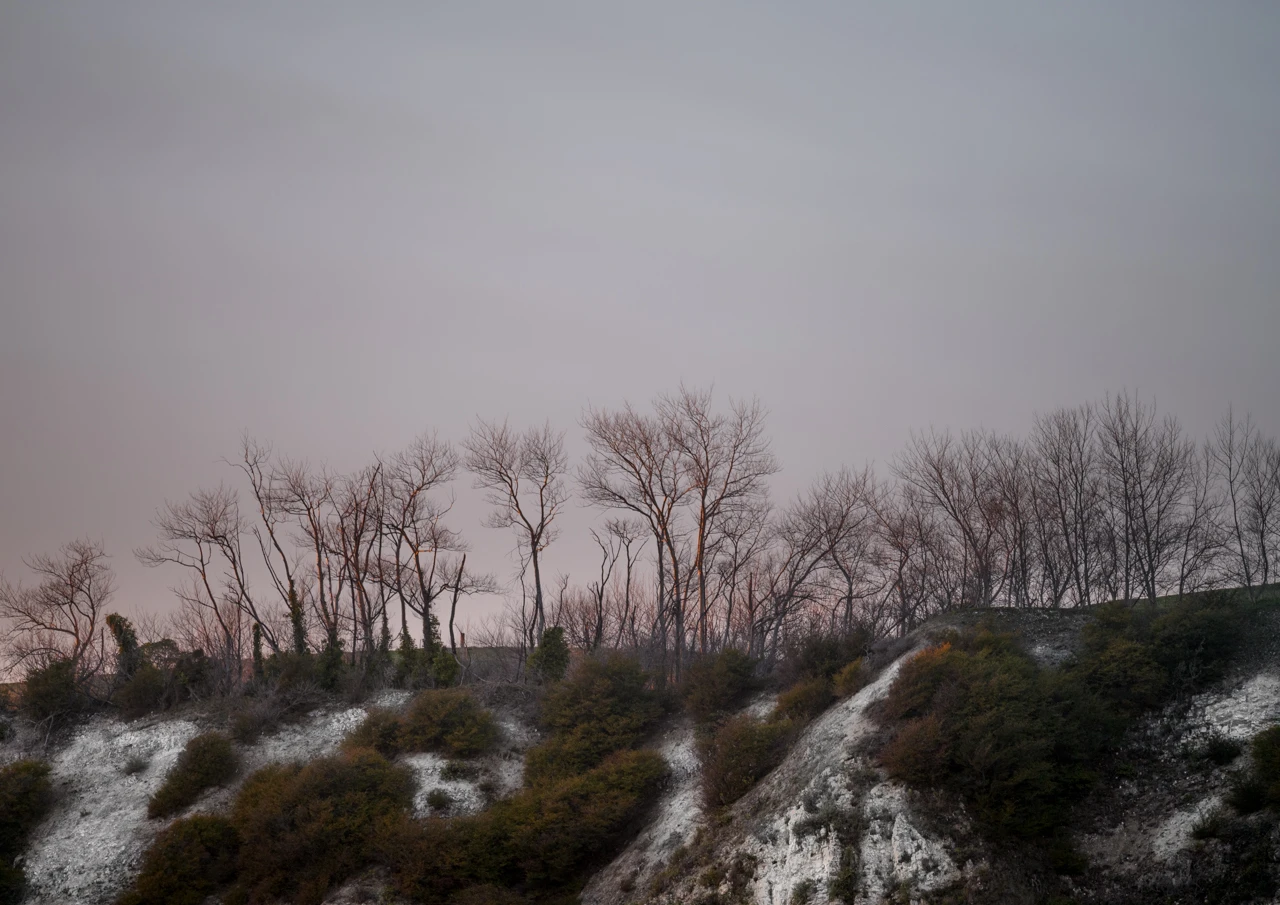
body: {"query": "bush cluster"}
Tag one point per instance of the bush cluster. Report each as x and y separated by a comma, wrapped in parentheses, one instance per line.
(1259, 787)
(25, 797)
(208, 760)
(715, 685)
(293, 833)
(741, 751)
(50, 692)
(447, 721)
(977, 715)
(1137, 656)
(540, 839)
(603, 706)
(307, 828)
(188, 861)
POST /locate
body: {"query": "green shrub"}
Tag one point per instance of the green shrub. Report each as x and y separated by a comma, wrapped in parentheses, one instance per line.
(444, 668)
(803, 701)
(553, 831)
(186, 863)
(981, 718)
(540, 838)
(550, 660)
(820, 656)
(50, 692)
(738, 754)
(25, 797)
(438, 800)
(716, 684)
(1126, 675)
(380, 731)
(208, 760)
(306, 828)
(487, 894)
(457, 770)
(850, 678)
(604, 705)
(918, 753)
(142, 692)
(447, 721)
(1260, 787)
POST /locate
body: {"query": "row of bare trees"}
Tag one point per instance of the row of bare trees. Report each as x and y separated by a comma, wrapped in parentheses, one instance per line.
(1101, 501)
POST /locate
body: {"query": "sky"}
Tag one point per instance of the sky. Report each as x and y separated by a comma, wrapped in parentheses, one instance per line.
(334, 226)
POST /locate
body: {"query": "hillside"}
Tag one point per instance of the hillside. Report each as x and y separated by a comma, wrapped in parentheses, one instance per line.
(838, 818)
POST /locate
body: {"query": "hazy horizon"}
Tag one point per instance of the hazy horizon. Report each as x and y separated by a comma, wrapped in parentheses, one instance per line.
(334, 229)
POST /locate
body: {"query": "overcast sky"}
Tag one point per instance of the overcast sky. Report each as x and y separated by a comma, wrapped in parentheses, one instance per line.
(337, 225)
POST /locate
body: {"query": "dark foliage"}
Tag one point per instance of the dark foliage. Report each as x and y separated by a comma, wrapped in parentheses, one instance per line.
(604, 705)
(714, 685)
(851, 678)
(738, 754)
(979, 717)
(803, 701)
(207, 761)
(1259, 787)
(25, 797)
(538, 840)
(305, 829)
(820, 656)
(443, 720)
(50, 693)
(193, 858)
(550, 660)
(143, 692)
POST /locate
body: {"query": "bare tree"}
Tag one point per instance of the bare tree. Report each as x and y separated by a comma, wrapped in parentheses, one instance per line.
(635, 467)
(203, 534)
(1248, 467)
(61, 618)
(1149, 467)
(524, 475)
(725, 459)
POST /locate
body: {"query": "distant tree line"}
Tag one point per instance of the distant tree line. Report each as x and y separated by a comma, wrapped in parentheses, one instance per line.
(1107, 500)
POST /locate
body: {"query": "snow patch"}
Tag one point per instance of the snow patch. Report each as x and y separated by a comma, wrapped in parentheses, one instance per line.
(1245, 711)
(92, 842)
(1174, 835)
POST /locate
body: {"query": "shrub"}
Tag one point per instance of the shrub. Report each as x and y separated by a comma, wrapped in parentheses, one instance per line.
(540, 838)
(438, 800)
(25, 797)
(444, 668)
(50, 692)
(135, 765)
(850, 678)
(981, 718)
(142, 693)
(1260, 787)
(738, 754)
(1126, 675)
(603, 706)
(448, 721)
(553, 831)
(820, 656)
(186, 863)
(456, 770)
(208, 760)
(714, 685)
(307, 828)
(803, 701)
(550, 660)
(380, 731)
